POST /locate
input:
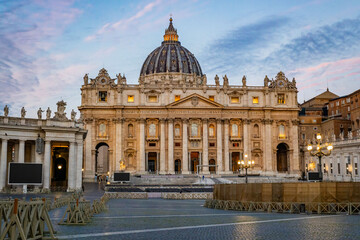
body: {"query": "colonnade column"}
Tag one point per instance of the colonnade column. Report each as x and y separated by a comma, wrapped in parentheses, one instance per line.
(88, 172)
(118, 143)
(21, 151)
(246, 139)
(162, 146)
(219, 158)
(205, 156)
(268, 146)
(3, 163)
(72, 167)
(79, 165)
(226, 146)
(185, 158)
(171, 146)
(294, 167)
(46, 168)
(142, 146)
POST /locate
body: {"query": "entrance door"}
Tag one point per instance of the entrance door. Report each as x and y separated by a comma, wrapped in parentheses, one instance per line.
(235, 157)
(212, 169)
(152, 162)
(177, 166)
(102, 158)
(281, 157)
(194, 161)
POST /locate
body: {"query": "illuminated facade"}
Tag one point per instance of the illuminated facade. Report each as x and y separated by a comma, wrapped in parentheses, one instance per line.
(173, 121)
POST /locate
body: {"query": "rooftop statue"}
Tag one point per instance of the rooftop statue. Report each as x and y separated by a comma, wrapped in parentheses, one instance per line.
(86, 79)
(60, 114)
(73, 115)
(217, 82)
(23, 112)
(39, 113)
(48, 113)
(244, 81)
(6, 111)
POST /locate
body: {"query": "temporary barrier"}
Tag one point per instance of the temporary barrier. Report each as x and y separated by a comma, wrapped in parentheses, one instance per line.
(285, 207)
(202, 195)
(130, 195)
(77, 213)
(25, 220)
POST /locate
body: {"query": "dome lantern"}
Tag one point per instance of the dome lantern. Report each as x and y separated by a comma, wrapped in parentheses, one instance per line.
(171, 33)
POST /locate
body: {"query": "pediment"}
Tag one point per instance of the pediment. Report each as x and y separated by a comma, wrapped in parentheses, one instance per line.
(194, 101)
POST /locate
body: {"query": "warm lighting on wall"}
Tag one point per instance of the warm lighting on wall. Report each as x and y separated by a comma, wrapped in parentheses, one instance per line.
(234, 99)
(130, 98)
(59, 166)
(255, 100)
(211, 98)
(177, 98)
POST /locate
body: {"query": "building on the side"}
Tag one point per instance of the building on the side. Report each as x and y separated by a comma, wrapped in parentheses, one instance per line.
(56, 142)
(174, 122)
(338, 124)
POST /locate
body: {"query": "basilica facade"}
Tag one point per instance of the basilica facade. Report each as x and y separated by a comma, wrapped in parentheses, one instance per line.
(174, 122)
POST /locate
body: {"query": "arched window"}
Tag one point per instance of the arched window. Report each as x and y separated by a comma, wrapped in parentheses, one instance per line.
(177, 130)
(211, 130)
(152, 130)
(256, 131)
(194, 130)
(130, 130)
(102, 130)
(234, 130)
(281, 131)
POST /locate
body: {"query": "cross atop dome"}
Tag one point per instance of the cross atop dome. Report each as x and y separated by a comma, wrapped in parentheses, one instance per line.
(171, 33)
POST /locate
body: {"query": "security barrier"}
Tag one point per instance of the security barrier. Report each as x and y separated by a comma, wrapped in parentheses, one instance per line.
(25, 220)
(130, 195)
(202, 195)
(98, 206)
(285, 207)
(77, 213)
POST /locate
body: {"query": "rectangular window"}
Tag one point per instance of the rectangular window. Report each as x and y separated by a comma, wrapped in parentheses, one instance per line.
(152, 144)
(325, 168)
(356, 169)
(130, 98)
(348, 100)
(331, 168)
(347, 168)
(255, 100)
(177, 144)
(234, 99)
(211, 144)
(338, 168)
(153, 99)
(235, 144)
(314, 120)
(177, 98)
(342, 101)
(212, 98)
(303, 136)
(337, 103)
(281, 98)
(102, 96)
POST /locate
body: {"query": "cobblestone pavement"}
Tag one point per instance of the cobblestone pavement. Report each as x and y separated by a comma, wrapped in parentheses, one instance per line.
(187, 219)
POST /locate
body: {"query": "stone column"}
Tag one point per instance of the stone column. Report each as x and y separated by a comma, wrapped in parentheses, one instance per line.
(268, 147)
(46, 167)
(185, 158)
(205, 155)
(118, 144)
(226, 147)
(219, 158)
(171, 169)
(3, 163)
(246, 138)
(79, 165)
(21, 151)
(295, 165)
(162, 147)
(72, 167)
(88, 163)
(142, 146)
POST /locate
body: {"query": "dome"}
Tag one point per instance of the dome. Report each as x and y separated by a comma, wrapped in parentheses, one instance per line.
(171, 57)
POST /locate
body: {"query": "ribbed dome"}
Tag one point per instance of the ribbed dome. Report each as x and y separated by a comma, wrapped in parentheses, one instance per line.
(171, 57)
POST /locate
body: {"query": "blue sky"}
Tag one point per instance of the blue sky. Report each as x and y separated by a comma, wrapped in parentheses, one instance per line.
(46, 47)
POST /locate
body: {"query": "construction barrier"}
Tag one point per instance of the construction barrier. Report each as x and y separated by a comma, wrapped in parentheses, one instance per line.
(25, 220)
(202, 195)
(98, 206)
(285, 207)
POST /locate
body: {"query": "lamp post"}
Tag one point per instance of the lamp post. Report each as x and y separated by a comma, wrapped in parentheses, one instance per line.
(319, 153)
(245, 164)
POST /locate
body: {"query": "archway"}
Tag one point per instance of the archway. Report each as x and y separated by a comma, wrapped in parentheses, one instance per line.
(102, 158)
(59, 169)
(152, 162)
(235, 157)
(194, 161)
(282, 157)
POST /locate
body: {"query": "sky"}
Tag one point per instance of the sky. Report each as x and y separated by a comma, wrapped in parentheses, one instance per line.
(46, 47)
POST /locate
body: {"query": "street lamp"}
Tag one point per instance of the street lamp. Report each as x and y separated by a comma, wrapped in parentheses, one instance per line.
(245, 164)
(319, 153)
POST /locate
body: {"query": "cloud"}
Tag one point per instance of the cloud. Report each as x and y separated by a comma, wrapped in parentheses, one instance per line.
(124, 23)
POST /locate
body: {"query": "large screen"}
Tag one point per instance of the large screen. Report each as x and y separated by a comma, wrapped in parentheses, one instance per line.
(25, 173)
(313, 176)
(121, 177)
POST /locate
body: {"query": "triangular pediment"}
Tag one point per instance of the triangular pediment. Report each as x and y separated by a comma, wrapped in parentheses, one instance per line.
(194, 101)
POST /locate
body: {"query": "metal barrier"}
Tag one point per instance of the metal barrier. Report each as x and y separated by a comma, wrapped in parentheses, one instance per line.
(285, 207)
(25, 220)
(203, 195)
(77, 213)
(130, 195)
